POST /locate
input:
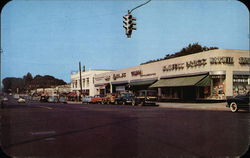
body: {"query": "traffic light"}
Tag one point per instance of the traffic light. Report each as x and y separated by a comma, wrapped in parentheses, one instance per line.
(129, 24)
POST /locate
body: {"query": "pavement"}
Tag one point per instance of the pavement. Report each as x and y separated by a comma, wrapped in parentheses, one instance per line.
(195, 106)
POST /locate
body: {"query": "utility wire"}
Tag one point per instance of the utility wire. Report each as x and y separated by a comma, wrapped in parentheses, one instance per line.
(130, 11)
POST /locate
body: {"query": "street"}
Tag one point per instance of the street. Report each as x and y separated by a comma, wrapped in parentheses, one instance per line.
(36, 129)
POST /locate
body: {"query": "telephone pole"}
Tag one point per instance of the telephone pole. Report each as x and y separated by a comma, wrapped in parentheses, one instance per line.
(80, 72)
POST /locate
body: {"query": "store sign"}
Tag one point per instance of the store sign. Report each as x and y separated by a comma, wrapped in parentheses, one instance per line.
(244, 60)
(139, 72)
(107, 78)
(150, 74)
(98, 78)
(195, 63)
(173, 67)
(122, 75)
(136, 73)
(222, 60)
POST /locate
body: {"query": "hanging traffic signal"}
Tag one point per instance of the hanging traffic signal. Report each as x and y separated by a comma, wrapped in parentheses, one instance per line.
(129, 24)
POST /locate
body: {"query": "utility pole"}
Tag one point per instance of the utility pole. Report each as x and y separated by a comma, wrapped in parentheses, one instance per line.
(80, 72)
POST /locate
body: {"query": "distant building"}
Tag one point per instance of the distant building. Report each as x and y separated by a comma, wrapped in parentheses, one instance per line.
(88, 82)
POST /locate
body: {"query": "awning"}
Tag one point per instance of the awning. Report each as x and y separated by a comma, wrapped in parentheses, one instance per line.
(141, 83)
(204, 82)
(183, 81)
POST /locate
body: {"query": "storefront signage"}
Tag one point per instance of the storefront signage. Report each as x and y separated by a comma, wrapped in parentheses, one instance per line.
(244, 60)
(139, 72)
(136, 73)
(195, 63)
(151, 74)
(122, 75)
(98, 78)
(107, 78)
(173, 67)
(222, 60)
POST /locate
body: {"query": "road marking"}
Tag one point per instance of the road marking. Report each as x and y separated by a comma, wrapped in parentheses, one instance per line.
(46, 107)
(43, 132)
(49, 139)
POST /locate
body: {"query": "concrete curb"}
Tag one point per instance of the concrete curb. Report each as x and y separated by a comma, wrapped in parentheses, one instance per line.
(195, 106)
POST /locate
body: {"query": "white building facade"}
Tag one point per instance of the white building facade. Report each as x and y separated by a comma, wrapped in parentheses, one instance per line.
(88, 82)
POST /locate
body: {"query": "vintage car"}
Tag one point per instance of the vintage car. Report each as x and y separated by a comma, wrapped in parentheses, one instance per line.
(21, 100)
(97, 99)
(44, 99)
(146, 97)
(125, 98)
(109, 98)
(62, 99)
(240, 101)
(86, 99)
(53, 99)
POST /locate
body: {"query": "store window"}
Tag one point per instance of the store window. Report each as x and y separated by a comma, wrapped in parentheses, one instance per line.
(87, 82)
(218, 86)
(83, 82)
(240, 84)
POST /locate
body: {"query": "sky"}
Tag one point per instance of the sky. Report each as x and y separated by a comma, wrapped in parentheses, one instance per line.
(51, 37)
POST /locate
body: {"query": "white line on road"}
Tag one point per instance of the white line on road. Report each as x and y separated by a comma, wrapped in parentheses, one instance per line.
(43, 132)
(46, 107)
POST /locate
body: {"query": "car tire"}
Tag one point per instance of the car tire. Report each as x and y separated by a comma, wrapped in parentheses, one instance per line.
(233, 107)
(123, 103)
(116, 102)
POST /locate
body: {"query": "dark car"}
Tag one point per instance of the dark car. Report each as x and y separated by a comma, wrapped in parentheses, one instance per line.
(240, 101)
(125, 98)
(146, 97)
(44, 99)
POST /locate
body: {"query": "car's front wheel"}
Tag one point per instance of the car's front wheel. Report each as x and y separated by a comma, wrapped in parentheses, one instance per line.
(233, 107)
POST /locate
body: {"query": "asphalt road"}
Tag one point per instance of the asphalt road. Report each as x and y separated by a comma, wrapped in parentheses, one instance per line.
(120, 131)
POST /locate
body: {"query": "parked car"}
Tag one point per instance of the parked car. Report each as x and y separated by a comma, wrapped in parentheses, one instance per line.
(63, 100)
(44, 99)
(240, 101)
(146, 97)
(109, 99)
(53, 99)
(125, 98)
(97, 99)
(21, 100)
(86, 99)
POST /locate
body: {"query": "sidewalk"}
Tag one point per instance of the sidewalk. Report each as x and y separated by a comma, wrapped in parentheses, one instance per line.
(74, 102)
(196, 106)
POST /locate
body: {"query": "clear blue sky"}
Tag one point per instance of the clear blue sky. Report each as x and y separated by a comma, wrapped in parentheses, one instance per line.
(50, 37)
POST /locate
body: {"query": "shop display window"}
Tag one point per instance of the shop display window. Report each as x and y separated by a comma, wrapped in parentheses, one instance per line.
(240, 84)
(218, 86)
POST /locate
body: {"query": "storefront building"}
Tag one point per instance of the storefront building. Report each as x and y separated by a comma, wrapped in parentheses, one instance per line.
(88, 87)
(213, 74)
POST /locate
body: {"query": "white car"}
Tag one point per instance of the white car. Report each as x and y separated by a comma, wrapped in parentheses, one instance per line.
(21, 100)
